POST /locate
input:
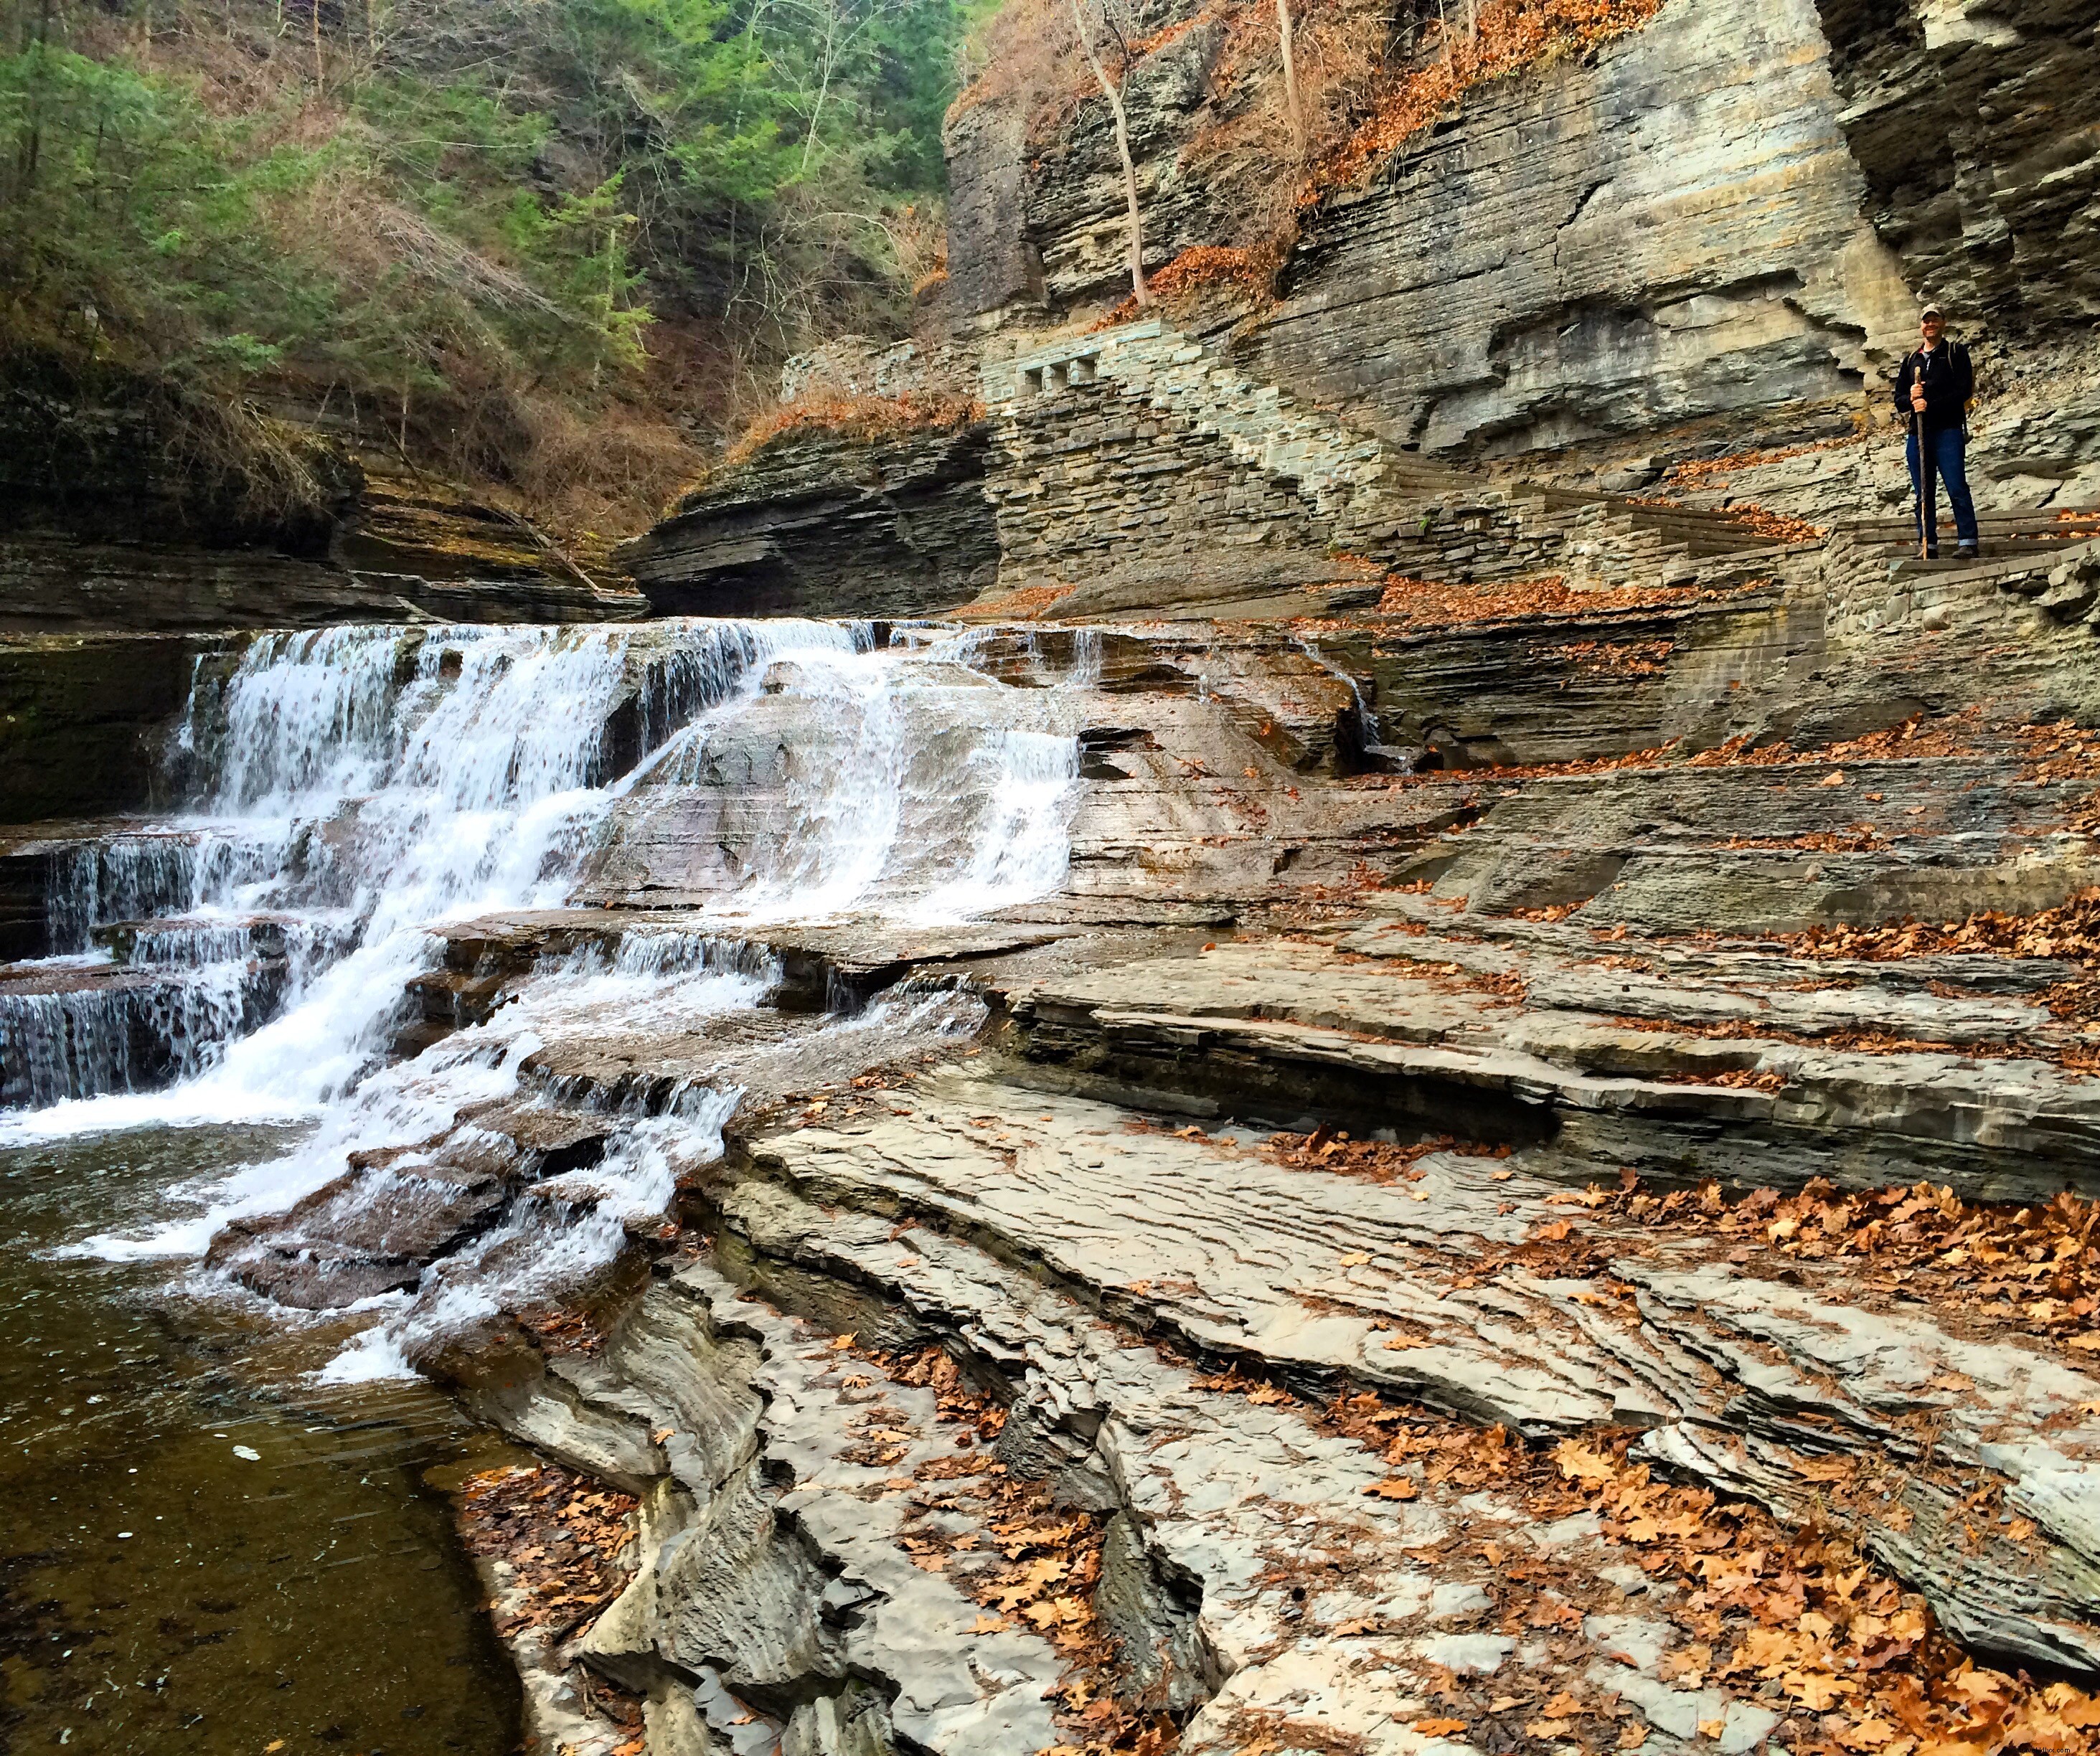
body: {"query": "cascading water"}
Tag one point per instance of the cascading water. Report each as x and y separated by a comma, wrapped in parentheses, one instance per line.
(365, 785)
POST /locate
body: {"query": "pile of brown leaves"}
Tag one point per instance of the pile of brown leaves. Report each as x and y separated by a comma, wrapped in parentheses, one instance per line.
(1512, 35)
(2070, 931)
(1860, 1039)
(1437, 603)
(1373, 1161)
(1050, 1565)
(1781, 527)
(2060, 752)
(1204, 268)
(1952, 735)
(1704, 472)
(1626, 658)
(1801, 1621)
(1028, 603)
(2035, 1269)
(562, 1534)
(863, 419)
(1757, 520)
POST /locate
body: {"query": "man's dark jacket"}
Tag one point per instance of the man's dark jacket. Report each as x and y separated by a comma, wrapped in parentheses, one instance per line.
(1950, 381)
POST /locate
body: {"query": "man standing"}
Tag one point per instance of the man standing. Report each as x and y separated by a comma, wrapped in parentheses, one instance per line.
(1932, 395)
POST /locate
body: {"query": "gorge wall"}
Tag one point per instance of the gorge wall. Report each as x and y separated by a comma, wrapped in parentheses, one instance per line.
(1668, 236)
(1706, 236)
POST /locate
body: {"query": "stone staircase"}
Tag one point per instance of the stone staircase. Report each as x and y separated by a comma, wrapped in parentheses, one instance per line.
(2006, 537)
(1378, 500)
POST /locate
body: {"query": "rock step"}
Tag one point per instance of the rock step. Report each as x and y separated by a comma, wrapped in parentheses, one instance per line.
(1327, 1281)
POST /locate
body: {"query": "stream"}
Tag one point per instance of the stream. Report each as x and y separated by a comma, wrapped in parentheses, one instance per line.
(227, 1479)
(203, 1550)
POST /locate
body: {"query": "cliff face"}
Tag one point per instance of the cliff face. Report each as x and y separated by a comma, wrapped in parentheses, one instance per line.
(1707, 236)
(1667, 237)
(110, 520)
(1976, 130)
(819, 524)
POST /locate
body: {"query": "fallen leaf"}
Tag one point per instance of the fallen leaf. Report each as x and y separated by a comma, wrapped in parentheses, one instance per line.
(1578, 1462)
(1835, 778)
(1563, 1706)
(1393, 1488)
(1356, 1259)
(842, 1342)
(989, 1625)
(1439, 1728)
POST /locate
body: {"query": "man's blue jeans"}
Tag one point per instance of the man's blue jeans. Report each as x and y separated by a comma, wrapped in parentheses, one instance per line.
(1947, 449)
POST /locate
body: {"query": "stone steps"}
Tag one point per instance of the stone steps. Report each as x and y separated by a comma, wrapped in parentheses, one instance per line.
(1374, 498)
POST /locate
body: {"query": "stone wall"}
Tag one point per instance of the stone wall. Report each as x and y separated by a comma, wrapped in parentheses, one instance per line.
(819, 523)
(85, 721)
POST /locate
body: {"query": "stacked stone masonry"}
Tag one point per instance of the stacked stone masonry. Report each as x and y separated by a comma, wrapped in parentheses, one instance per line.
(1126, 455)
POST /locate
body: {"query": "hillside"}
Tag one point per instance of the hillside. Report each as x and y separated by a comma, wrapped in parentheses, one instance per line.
(551, 249)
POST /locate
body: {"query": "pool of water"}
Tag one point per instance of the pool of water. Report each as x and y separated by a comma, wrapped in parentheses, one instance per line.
(202, 1549)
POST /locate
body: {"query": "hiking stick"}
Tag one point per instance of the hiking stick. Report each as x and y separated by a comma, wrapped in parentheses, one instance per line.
(1917, 483)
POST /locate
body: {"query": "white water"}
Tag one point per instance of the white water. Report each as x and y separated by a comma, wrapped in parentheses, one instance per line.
(365, 785)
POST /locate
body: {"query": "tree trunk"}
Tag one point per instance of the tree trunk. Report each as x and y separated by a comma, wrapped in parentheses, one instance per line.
(1137, 286)
(1298, 134)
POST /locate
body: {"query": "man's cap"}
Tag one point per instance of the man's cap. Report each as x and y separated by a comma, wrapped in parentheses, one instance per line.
(1932, 310)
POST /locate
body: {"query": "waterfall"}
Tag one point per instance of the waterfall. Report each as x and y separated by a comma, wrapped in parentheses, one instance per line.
(358, 787)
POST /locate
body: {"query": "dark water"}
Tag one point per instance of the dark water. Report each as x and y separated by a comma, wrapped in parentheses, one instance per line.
(159, 1591)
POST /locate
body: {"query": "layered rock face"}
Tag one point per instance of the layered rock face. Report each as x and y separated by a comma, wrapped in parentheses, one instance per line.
(1706, 236)
(99, 531)
(816, 524)
(1669, 236)
(1973, 126)
(85, 720)
(1057, 1264)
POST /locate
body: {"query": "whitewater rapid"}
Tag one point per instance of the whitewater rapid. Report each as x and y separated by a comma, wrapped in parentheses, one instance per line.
(356, 788)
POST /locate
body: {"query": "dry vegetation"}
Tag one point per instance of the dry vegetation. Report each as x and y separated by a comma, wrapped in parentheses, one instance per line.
(2033, 1270)
(863, 420)
(1049, 1568)
(1438, 604)
(562, 1536)
(1799, 1620)
(552, 247)
(1368, 81)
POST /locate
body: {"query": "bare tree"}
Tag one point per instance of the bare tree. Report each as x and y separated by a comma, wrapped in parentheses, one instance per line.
(1290, 103)
(1137, 288)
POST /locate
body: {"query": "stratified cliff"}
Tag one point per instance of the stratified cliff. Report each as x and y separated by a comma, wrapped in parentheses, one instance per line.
(1706, 236)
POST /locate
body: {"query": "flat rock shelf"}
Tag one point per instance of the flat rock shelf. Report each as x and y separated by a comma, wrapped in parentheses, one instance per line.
(1143, 1185)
